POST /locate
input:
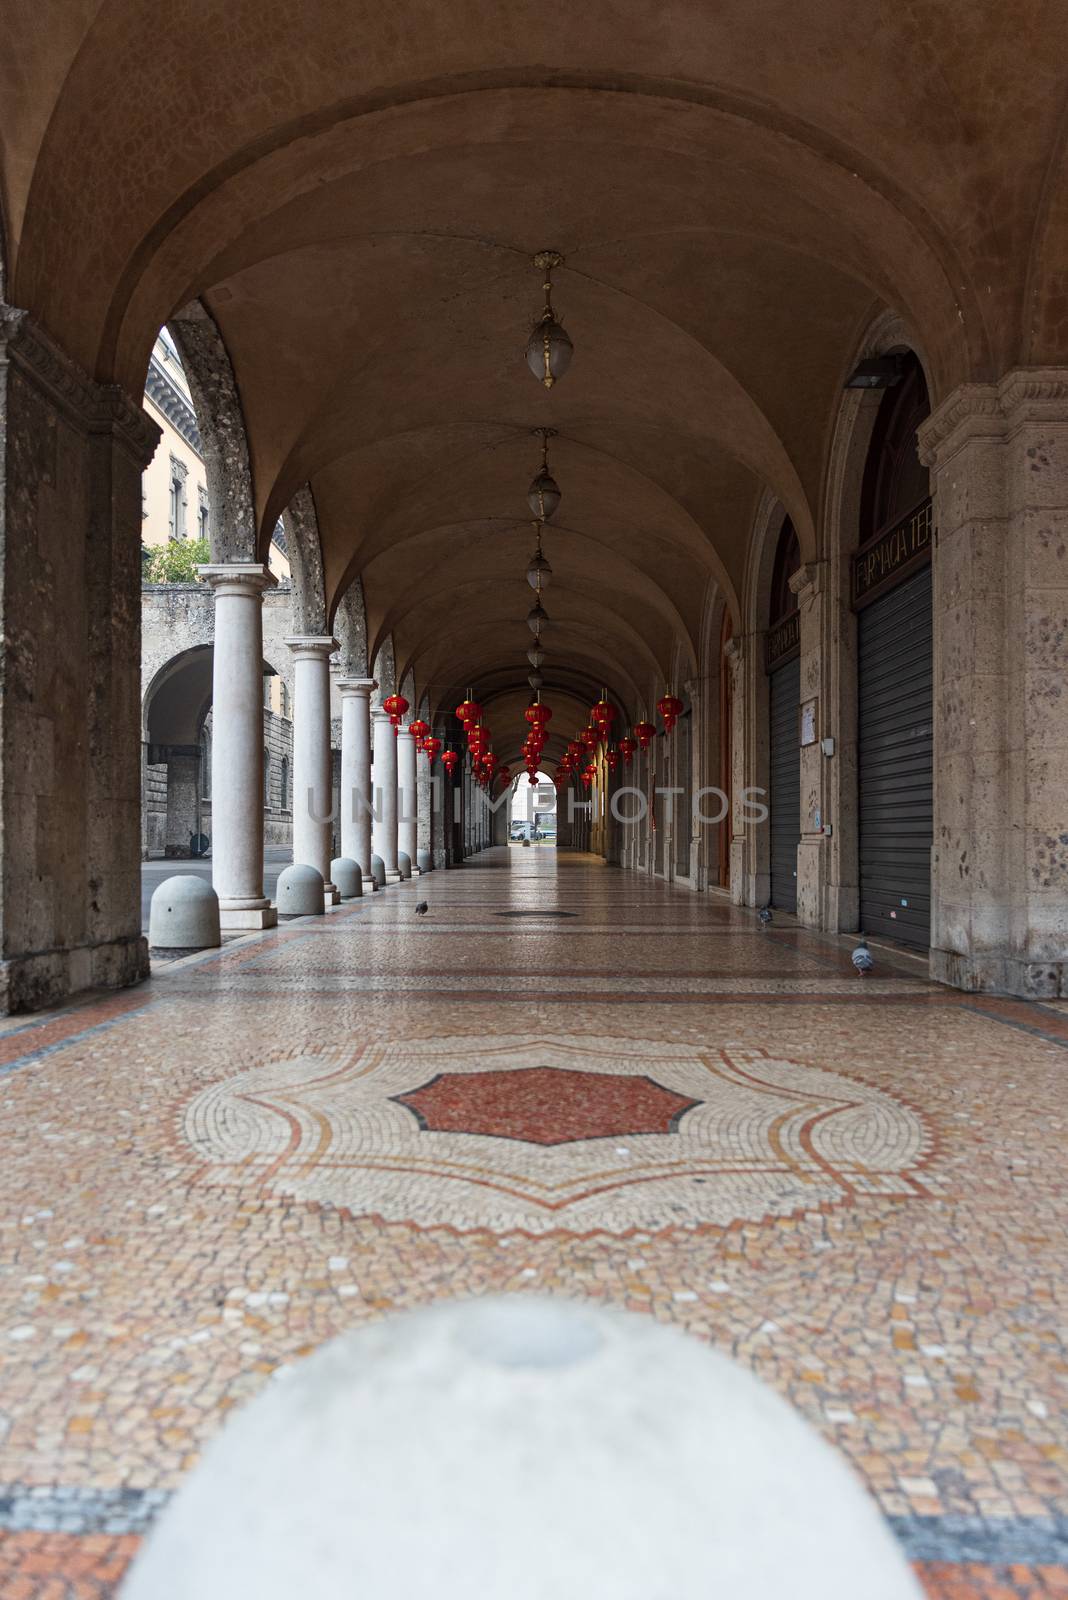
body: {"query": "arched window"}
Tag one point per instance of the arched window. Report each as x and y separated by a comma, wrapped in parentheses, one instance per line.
(285, 699)
(266, 776)
(787, 560)
(895, 479)
(283, 798)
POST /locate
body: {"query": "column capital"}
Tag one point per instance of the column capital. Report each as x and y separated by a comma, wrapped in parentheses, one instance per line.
(361, 688)
(312, 646)
(237, 577)
(994, 410)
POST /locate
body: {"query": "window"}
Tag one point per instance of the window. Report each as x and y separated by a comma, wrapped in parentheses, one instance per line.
(285, 700)
(202, 512)
(266, 692)
(283, 800)
(178, 498)
(266, 776)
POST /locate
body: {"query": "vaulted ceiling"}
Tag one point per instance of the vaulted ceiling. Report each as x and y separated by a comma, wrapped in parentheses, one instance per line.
(354, 191)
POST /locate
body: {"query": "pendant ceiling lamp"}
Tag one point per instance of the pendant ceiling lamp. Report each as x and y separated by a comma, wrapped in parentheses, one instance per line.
(537, 617)
(543, 496)
(539, 572)
(549, 350)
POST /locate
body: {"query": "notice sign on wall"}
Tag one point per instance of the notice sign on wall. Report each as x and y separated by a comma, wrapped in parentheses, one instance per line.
(809, 722)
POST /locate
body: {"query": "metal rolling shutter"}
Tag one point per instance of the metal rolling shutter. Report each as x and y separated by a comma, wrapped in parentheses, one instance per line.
(784, 693)
(896, 762)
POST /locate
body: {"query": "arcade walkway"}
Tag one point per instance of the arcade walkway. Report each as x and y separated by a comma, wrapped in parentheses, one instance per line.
(562, 1078)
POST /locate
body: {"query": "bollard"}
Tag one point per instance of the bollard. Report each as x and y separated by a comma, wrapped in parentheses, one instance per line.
(184, 916)
(526, 1447)
(347, 875)
(301, 891)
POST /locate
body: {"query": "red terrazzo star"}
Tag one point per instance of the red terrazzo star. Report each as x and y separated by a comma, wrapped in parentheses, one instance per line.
(545, 1105)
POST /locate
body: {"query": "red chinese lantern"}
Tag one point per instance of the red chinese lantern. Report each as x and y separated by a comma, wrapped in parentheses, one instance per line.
(603, 714)
(449, 760)
(468, 711)
(589, 737)
(588, 775)
(395, 707)
(538, 715)
(627, 747)
(478, 739)
(574, 751)
(432, 748)
(644, 732)
(418, 730)
(669, 708)
(613, 760)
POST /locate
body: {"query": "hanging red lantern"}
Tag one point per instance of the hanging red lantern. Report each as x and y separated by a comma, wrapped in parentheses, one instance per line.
(613, 760)
(627, 747)
(603, 714)
(538, 715)
(468, 711)
(431, 748)
(395, 706)
(589, 737)
(588, 775)
(418, 729)
(644, 732)
(669, 708)
(449, 760)
(574, 750)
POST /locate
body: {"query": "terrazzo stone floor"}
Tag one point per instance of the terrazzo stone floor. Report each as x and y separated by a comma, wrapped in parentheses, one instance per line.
(853, 1186)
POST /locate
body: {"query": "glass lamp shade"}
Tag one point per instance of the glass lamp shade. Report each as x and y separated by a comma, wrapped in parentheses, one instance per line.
(536, 655)
(539, 572)
(549, 350)
(537, 617)
(535, 680)
(543, 496)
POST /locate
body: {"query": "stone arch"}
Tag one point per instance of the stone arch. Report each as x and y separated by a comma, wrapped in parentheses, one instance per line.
(384, 670)
(305, 552)
(350, 630)
(221, 423)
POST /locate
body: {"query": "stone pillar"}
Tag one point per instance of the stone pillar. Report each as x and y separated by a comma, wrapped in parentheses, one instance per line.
(384, 773)
(183, 798)
(998, 454)
(407, 799)
(312, 765)
(237, 744)
(71, 457)
(750, 839)
(356, 773)
(813, 853)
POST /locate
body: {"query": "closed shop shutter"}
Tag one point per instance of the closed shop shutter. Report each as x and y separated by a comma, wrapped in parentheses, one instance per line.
(784, 692)
(896, 762)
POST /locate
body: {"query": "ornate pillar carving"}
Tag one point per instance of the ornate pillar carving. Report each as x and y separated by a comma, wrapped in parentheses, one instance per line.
(998, 455)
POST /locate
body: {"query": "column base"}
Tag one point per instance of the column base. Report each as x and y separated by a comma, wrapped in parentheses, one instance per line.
(393, 877)
(48, 977)
(241, 918)
(990, 973)
(331, 894)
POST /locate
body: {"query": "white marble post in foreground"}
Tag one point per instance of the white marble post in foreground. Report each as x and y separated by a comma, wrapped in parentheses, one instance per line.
(312, 775)
(384, 774)
(407, 798)
(237, 744)
(356, 774)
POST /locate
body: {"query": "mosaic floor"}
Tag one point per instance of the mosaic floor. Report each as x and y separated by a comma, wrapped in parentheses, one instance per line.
(853, 1186)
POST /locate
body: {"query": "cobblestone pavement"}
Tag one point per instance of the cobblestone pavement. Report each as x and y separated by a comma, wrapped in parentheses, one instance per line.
(852, 1185)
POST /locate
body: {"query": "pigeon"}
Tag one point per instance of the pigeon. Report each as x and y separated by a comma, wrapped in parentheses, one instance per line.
(862, 958)
(421, 909)
(765, 915)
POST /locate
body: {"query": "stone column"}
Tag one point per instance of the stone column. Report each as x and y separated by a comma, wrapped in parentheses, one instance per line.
(312, 766)
(407, 799)
(999, 460)
(356, 773)
(71, 456)
(237, 744)
(813, 853)
(183, 798)
(384, 774)
(750, 842)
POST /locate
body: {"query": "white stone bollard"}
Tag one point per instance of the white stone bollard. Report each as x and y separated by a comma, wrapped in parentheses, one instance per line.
(404, 864)
(524, 1447)
(184, 915)
(424, 861)
(378, 872)
(301, 892)
(346, 874)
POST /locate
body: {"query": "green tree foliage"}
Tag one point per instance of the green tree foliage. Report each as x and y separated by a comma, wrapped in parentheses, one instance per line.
(174, 562)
